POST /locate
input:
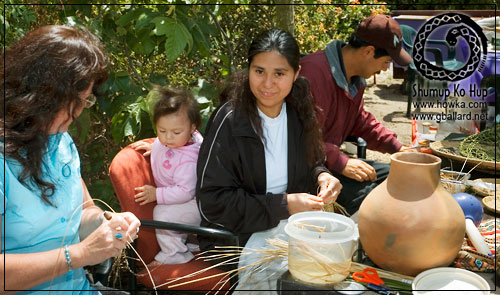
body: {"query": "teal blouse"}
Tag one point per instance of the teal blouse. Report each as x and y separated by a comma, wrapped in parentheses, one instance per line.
(30, 225)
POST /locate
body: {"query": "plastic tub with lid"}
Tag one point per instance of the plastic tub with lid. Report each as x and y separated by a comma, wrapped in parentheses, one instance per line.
(320, 246)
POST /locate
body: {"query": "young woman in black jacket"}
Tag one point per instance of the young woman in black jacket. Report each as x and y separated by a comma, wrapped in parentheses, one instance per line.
(262, 156)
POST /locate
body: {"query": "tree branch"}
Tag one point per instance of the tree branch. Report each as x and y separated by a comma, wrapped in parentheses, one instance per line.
(131, 65)
(224, 35)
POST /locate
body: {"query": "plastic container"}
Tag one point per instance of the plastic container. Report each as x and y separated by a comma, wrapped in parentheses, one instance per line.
(437, 280)
(453, 181)
(425, 127)
(320, 246)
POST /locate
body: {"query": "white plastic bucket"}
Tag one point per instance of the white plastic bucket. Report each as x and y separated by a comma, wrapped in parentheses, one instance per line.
(320, 246)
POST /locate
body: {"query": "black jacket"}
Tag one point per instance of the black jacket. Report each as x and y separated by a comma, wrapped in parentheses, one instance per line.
(231, 187)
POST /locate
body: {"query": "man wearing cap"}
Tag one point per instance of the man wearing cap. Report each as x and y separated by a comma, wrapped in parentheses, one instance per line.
(337, 78)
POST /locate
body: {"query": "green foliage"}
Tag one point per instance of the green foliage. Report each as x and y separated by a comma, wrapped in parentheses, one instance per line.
(318, 24)
(191, 46)
(18, 20)
(444, 5)
(241, 24)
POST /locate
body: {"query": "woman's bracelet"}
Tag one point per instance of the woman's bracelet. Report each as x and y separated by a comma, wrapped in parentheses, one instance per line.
(68, 258)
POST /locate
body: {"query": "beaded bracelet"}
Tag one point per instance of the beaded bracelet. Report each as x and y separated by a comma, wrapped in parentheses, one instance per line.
(68, 258)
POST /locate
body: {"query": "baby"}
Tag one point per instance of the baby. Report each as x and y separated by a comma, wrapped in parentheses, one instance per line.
(174, 154)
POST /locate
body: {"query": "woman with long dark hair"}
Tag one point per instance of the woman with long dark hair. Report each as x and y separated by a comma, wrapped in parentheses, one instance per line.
(262, 157)
(50, 226)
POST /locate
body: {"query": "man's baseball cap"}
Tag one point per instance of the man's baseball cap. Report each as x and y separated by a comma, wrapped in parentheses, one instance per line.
(383, 32)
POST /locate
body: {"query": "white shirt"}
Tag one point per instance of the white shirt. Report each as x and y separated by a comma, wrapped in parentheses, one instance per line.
(275, 131)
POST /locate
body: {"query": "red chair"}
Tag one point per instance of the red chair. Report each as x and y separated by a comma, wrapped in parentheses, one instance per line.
(130, 169)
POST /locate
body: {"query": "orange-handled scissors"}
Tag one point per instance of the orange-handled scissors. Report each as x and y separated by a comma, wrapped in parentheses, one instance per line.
(368, 275)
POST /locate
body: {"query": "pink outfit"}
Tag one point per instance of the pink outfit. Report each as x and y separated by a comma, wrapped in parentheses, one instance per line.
(174, 172)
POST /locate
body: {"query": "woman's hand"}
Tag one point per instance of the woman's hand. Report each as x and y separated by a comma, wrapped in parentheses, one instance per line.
(301, 202)
(107, 240)
(329, 187)
(147, 194)
(142, 145)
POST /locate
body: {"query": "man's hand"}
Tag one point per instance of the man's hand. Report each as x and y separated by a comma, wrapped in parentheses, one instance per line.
(407, 149)
(359, 170)
(147, 194)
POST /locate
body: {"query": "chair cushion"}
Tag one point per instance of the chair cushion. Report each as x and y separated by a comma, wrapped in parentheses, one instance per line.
(164, 273)
(128, 170)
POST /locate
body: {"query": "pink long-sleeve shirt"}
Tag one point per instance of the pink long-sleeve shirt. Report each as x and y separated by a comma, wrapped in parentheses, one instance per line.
(174, 171)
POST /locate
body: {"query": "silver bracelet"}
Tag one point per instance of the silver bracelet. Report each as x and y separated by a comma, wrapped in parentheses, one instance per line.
(68, 258)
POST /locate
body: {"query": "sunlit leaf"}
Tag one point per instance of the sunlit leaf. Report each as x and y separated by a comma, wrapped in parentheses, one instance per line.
(142, 21)
(176, 41)
(162, 25)
(189, 38)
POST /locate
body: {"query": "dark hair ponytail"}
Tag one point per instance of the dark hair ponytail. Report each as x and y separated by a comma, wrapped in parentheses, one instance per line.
(302, 101)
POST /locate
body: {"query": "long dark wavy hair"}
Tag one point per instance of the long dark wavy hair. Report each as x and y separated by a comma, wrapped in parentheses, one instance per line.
(43, 73)
(299, 98)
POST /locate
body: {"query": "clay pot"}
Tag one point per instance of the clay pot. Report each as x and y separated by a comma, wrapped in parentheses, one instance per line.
(410, 223)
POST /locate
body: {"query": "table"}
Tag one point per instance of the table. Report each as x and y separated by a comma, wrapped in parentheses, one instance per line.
(287, 285)
(275, 276)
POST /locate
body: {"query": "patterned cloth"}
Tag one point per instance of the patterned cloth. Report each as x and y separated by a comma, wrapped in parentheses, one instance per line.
(469, 258)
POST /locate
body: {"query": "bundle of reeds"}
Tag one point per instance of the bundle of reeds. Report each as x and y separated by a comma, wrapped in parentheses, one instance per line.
(278, 249)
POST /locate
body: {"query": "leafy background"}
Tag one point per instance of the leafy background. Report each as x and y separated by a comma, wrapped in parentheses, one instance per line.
(193, 46)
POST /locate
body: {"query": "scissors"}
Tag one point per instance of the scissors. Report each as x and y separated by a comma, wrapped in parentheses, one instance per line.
(370, 276)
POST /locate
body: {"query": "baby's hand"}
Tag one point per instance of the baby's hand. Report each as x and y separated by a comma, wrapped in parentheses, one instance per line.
(142, 145)
(147, 194)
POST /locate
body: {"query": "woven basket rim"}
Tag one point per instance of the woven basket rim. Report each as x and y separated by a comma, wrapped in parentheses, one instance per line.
(438, 146)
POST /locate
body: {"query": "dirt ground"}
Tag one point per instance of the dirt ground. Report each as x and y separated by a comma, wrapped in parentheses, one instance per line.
(387, 103)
